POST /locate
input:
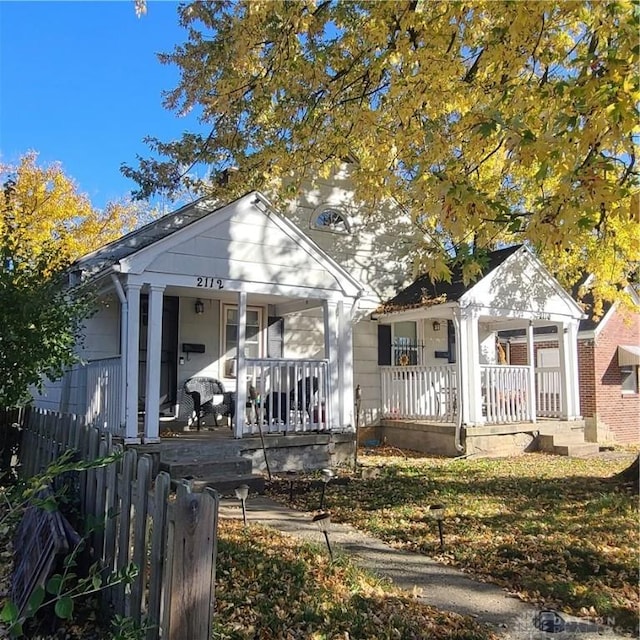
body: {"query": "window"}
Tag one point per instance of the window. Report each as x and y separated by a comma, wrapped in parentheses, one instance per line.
(629, 379)
(405, 344)
(253, 332)
(330, 219)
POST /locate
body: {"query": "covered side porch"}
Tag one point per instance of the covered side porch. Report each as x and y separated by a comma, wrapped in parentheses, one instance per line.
(443, 364)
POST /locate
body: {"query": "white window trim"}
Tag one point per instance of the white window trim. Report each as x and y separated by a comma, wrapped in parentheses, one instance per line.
(340, 211)
(636, 378)
(228, 361)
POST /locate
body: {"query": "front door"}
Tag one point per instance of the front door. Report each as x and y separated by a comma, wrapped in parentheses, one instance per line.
(169, 350)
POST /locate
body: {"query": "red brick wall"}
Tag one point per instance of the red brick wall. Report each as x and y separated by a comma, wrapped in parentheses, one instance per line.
(617, 411)
(587, 378)
(519, 351)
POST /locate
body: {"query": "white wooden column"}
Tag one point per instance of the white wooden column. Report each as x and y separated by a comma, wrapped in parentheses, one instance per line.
(531, 361)
(241, 366)
(331, 332)
(470, 368)
(345, 364)
(573, 375)
(133, 356)
(154, 352)
(463, 366)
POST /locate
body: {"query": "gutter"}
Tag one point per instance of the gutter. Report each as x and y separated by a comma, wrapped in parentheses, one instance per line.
(458, 433)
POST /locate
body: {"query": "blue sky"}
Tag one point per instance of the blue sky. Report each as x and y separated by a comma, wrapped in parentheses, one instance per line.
(80, 84)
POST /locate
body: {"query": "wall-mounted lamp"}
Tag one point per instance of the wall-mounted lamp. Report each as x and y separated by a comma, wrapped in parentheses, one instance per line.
(436, 325)
(199, 307)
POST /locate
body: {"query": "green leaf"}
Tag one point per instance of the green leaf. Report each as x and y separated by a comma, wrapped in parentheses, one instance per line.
(50, 504)
(64, 608)
(35, 600)
(9, 612)
(54, 584)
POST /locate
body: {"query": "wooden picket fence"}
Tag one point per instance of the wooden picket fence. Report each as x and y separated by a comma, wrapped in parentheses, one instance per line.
(170, 538)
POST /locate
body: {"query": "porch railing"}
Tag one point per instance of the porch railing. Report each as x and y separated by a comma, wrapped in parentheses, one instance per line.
(287, 396)
(104, 394)
(417, 392)
(549, 400)
(505, 393)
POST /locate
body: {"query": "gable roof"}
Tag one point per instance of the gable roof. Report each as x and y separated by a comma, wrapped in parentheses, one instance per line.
(111, 253)
(425, 292)
(152, 246)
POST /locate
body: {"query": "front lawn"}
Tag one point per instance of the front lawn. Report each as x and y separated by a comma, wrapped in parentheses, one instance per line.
(545, 527)
(272, 586)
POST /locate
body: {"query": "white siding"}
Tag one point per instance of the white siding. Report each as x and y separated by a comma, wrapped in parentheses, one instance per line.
(376, 252)
(200, 329)
(519, 285)
(102, 331)
(365, 369)
(246, 247)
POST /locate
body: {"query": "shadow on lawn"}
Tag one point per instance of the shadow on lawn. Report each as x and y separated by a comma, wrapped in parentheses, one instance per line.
(567, 541)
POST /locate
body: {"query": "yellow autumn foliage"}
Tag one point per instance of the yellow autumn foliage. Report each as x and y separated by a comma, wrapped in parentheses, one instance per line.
(493, 122)
(45, 217)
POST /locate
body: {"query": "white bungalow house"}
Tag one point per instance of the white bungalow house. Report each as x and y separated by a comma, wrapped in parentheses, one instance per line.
(196, 294)
(281, 311)
(445, 384)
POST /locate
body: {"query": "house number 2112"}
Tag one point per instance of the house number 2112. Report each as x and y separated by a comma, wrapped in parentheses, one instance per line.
(209, 283)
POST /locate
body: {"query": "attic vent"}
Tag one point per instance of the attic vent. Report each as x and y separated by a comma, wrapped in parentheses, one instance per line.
(330, 219)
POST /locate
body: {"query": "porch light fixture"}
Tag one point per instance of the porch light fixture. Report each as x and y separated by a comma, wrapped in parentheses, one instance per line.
(199, 307)
(241, 493)
(323, 520)
(436, 511)
(325, 476)
(436, 325)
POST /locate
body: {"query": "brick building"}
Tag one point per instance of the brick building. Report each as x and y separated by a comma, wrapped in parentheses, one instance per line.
(608, 365)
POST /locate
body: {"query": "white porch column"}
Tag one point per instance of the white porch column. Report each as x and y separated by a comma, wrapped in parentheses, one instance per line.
(569, 386)
(241, 366)
(531, 361)
(154, 352)
(345, 364)
(133, 346)
(470, 368)
(574, 326)
(331, 332)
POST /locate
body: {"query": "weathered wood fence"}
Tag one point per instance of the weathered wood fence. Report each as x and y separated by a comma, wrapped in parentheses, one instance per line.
(171, 538)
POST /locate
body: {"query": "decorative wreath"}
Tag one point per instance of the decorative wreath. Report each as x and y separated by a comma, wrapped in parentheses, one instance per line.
(404, 360)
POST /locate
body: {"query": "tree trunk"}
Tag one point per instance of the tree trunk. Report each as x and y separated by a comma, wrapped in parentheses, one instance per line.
(629, 477)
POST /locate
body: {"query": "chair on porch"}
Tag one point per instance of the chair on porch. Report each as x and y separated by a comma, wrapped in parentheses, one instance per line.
(277, 404)
(208, 396)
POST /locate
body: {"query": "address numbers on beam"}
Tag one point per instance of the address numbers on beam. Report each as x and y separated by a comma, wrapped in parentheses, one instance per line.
(209, 282)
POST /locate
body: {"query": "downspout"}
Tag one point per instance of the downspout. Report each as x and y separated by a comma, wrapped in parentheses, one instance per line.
(458, 433)
(124, 315)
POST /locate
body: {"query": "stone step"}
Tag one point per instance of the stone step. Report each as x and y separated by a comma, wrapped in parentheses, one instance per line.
(201, 469)
(584, 450)
(226, 485)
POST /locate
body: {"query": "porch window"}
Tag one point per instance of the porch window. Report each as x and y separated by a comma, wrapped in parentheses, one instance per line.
(405, 344)
(253, 332)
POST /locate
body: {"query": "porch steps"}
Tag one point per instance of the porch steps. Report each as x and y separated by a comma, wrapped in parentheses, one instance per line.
(567, 442)
(223, 475)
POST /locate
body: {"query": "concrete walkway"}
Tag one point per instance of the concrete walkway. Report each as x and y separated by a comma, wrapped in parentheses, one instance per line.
(435, 584)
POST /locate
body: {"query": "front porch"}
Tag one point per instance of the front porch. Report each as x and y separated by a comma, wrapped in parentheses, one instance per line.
(432, 393)
(446, 371)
